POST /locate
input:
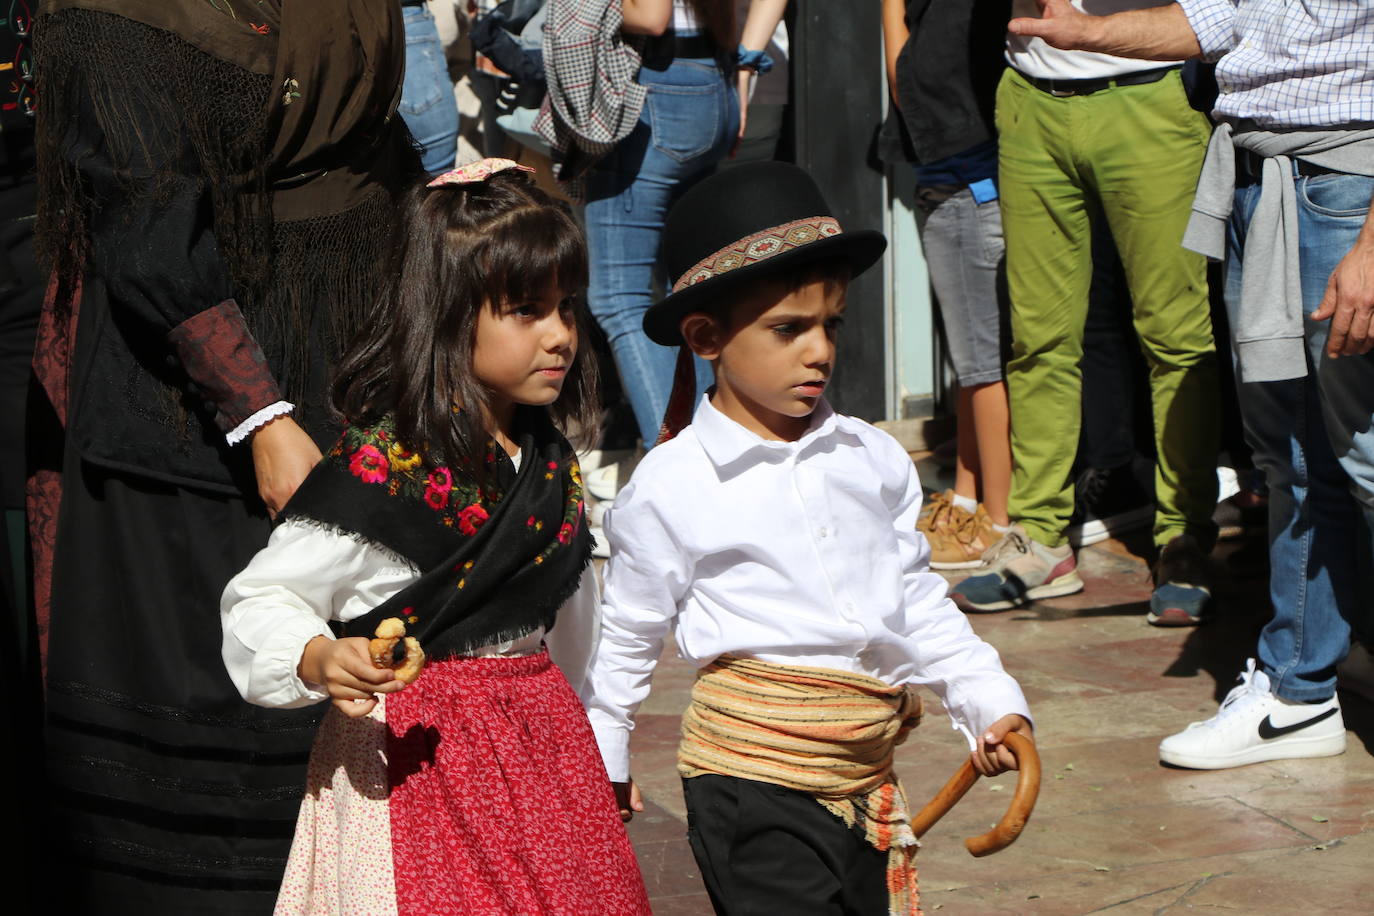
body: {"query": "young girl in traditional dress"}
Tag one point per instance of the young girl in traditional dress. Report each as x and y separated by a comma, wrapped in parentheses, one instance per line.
(454, 503)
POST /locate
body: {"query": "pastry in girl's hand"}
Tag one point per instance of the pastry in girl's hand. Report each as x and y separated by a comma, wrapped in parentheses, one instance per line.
(382, 650)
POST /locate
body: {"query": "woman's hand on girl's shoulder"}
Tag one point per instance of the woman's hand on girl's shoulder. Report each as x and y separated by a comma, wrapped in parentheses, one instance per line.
(344, 669)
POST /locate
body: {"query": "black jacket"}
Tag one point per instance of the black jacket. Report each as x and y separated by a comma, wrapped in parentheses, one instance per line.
(947, 77)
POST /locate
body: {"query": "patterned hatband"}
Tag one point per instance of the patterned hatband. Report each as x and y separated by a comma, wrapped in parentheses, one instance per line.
(759, 247)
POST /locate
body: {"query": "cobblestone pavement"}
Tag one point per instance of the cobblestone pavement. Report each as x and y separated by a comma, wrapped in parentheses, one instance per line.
(1114, 831)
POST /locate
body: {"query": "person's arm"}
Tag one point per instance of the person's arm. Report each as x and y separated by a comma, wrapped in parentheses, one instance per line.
(963, 670)
(759, 26)
(277, 648)
(895, 36)
(283, 455)
(646, 578)
(1158, 33)
(761, 23)
(646, 17)
(576, 630)
(1349, 299)
(154, 248)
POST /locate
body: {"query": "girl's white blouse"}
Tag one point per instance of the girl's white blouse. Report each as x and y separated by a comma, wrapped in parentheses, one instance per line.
(308, 575)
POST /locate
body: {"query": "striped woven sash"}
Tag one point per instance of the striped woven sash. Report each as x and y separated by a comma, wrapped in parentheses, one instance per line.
(829, 733)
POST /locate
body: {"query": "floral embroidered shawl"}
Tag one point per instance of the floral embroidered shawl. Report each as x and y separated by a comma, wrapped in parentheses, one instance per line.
(495, 562)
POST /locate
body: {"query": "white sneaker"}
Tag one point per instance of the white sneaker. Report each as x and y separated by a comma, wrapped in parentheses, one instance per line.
(606, 481)
(596, 511)
(600, 458)
(596, 514)
(1253, 725)
(601, 549)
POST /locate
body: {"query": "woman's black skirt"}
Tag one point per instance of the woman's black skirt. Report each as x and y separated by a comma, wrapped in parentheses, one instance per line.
(168, 793)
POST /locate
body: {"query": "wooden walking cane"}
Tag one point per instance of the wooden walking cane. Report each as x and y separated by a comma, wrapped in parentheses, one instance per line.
(1022, 802)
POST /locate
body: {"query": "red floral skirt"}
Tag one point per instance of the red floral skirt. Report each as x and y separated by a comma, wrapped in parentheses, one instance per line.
(498, 803)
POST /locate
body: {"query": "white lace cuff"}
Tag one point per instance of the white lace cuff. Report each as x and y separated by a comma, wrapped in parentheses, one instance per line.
(260, 418)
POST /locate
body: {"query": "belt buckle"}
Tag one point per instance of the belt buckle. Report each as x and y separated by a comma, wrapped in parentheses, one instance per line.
(1063, 93)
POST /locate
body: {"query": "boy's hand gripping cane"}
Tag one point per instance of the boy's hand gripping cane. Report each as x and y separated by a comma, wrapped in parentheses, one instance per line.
(1022, 802)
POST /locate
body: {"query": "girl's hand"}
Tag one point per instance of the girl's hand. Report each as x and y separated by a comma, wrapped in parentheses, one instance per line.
(628, 799)
(992, 756)
(344, 668)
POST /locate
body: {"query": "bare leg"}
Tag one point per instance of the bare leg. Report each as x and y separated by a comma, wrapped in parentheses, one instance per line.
(987, 405)
(966, 467)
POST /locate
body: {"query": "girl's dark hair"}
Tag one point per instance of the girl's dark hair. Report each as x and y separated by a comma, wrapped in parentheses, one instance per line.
(717, 19)
(459, 249)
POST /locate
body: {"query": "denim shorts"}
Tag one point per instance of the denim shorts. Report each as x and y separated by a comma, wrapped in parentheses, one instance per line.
(966, 258)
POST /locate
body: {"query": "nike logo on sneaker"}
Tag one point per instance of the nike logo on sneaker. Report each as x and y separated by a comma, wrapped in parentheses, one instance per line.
(1268, 730)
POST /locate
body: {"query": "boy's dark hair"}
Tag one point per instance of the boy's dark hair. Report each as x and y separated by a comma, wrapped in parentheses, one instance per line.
(830, 271)
(459, 249)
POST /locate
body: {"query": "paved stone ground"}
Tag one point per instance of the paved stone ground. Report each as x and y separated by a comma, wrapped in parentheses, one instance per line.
(1114, 831)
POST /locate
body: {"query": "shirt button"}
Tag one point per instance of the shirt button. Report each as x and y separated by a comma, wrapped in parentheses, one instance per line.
(823, 531)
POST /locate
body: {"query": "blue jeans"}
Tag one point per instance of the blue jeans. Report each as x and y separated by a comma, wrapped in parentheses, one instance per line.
(690, 119)
(1312, 438)
(428, 105)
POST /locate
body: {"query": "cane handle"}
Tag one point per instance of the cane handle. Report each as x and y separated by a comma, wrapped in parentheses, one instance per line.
(1022, 801)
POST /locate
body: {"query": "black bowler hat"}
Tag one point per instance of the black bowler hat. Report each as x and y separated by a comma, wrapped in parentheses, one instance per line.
(742, 223)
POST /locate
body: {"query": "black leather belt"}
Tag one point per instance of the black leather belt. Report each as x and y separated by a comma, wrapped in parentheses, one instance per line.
(673, 45)
(412, 2)
(1250, 166)
(1065, 88)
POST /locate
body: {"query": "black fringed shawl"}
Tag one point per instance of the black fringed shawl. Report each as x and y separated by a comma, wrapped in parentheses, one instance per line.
(273, 126)
(495, 562)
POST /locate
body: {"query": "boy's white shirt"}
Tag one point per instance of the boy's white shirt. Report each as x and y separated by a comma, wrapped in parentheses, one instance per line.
(799, 552)
(307, 576)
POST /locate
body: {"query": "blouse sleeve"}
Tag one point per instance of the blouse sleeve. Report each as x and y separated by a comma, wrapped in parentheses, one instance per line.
(575, 633)
(153, 246)
(285, 597)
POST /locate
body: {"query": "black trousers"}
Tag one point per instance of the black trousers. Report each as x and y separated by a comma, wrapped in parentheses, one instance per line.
(767, 850)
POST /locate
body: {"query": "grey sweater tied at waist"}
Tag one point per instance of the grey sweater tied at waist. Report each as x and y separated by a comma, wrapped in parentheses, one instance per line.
(1267, 322)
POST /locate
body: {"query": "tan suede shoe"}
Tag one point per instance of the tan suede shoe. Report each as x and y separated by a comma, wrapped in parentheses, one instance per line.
(958, 539)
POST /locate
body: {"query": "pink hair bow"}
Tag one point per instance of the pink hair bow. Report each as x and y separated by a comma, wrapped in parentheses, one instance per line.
(480, 170)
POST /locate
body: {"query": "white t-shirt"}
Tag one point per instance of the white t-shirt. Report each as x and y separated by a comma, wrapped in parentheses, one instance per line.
(1035, 58)
(684, 17)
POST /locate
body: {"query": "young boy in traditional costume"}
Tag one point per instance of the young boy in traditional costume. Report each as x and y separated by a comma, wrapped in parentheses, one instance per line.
(780, 538)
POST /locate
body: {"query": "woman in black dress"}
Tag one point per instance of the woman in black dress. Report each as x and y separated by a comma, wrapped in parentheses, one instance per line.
(216, 179)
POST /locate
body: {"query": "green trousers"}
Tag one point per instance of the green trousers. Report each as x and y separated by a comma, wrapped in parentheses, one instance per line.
(1131, 155)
